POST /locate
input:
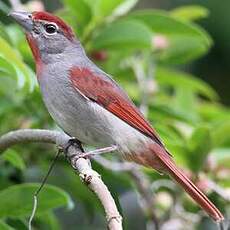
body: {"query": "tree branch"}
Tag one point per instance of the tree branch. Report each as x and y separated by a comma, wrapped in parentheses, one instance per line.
(90, 177)
(142, 183)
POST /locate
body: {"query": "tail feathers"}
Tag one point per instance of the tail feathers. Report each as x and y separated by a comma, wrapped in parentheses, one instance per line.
(188, 186)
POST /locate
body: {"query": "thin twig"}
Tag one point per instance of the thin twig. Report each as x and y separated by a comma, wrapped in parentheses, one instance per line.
(90, 177)
(40, 188)
(35, 204)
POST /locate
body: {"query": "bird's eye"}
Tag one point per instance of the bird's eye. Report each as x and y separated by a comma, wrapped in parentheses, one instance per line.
(50, 28)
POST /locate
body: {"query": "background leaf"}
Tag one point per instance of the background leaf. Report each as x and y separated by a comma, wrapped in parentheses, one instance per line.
(125, 34)
(186, 41)
(6, 68)
(221, 133)
(14, 158)
(199, 145)
(3, 33)
(17, 200)
(102, 8)
(49, 219)
(176, 79)
(81, 11)
(123, 8)
(24, 74)
(4, 226)
(190, 12)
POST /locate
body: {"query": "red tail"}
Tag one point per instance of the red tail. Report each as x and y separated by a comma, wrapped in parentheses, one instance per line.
(169, 166)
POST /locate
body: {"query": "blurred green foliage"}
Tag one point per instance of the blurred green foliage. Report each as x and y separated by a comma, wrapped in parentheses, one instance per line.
(184, 110)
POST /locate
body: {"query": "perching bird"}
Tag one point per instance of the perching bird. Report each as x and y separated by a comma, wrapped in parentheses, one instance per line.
(88, 105)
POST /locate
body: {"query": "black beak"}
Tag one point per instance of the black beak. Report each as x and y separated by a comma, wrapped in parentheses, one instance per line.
(23, 18)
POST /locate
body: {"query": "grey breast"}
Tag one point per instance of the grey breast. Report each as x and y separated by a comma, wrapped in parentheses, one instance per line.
(76, 115)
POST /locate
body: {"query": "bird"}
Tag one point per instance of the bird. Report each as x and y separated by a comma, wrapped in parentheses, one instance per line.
(90, 106)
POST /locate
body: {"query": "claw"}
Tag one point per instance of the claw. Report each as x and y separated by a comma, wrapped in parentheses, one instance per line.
(75, 157)
(72, 141)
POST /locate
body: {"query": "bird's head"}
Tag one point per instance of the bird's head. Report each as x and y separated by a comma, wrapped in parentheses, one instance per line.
(46, 33)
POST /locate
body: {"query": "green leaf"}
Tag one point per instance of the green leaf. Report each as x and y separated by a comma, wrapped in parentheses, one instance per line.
(80, 10)
(123, 8)
(18, 223)
(106, 7)
(95, 6)
(169, 134)
(221, 133)
(199, 145)
(3, 33)
(214, 112)
(185, 102)
(102, 8)
(16, 35)
(23, 72)
(190, 13)
(14, 158)
(6, 68)
(4, 226)
(179, 153)
(49, 219)
(164, 111)
(125, 34)
(176, 79)
(186, 41)
(182, 49)
(17, 200)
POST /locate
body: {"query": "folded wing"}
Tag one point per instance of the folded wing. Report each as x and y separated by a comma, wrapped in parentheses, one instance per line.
(108, 94)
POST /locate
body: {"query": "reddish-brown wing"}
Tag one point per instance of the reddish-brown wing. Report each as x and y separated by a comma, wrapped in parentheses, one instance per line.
(107, 94)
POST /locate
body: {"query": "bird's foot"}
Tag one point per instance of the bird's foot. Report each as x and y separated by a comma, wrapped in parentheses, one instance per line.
(71, 142)
(75, 142)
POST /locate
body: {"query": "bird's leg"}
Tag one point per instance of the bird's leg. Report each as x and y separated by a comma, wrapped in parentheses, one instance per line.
(89, 154)
(99, 151)
(74, 141)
